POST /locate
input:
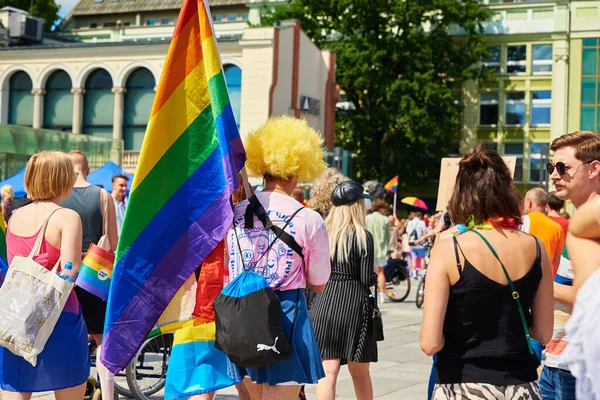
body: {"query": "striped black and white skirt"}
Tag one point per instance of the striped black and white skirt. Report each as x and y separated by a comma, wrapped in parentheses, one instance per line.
(485, 391)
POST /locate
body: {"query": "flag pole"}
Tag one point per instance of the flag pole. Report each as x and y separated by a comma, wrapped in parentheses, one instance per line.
(245, 182)
(395, 196)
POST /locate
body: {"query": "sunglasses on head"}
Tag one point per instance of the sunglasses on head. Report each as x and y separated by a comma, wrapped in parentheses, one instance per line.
(561, 167)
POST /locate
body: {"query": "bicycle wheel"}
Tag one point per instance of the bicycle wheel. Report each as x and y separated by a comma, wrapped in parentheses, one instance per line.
(399, 287)
(147, 372)
(121, 386)
(420, 294)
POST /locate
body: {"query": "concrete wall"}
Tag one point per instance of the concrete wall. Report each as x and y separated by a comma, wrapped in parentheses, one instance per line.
(282, 94)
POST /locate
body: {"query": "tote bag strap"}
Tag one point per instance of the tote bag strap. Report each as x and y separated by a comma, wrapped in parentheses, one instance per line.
(104, 242)
(38, 242)
(514, 292)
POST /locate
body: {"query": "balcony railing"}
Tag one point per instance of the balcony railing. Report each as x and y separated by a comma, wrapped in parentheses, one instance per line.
(20, 142)
(130, 159)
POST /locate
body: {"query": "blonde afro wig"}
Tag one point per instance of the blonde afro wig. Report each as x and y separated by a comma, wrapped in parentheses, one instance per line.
(285, 147)
(320, 192)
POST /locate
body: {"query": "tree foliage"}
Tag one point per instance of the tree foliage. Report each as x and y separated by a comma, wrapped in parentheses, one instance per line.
(400, 68)
(46, 9)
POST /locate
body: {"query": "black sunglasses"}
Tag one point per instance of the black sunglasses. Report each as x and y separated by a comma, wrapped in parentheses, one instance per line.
(561, 167)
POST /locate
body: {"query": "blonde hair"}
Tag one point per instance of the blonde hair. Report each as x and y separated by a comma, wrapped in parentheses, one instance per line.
(320, 192)
(48, 175)
(8, 192)
(342, 223)
(285, 147)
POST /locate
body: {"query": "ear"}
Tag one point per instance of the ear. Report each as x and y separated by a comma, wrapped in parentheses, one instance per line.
(594, 169)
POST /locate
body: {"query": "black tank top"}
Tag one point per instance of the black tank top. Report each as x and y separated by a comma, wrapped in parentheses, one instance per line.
(86, 202)
(484, 337)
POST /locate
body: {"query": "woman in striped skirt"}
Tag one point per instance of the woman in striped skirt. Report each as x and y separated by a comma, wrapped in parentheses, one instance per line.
(341, 315)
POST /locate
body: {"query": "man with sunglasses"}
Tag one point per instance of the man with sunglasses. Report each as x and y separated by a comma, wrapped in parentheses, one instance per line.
(575, 172)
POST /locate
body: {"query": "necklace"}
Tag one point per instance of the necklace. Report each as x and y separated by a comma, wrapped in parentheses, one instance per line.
(489, 224)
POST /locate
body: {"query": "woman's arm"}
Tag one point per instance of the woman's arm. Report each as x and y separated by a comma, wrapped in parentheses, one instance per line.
(112, 231)
(367, 275)
(71, 238)
(437, 290)
(542, 308)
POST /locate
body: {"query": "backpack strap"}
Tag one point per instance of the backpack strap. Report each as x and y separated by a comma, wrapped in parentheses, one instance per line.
(255, 208)
(280, 233)
(515, 294)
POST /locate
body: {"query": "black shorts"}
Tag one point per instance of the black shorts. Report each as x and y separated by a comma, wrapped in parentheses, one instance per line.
(93, 309)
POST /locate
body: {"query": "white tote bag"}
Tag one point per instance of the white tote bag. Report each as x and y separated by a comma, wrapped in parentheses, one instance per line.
(31, 301)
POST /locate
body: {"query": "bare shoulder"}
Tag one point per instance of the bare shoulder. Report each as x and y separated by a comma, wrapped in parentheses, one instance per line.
(66, 216)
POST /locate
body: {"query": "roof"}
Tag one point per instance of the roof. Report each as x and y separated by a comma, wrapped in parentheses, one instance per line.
(95, 7)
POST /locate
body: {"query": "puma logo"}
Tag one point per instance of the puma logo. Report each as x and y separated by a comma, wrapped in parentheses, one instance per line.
(264, 347)
(14, 306)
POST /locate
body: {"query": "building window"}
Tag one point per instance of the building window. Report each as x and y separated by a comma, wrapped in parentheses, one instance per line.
(488, 109)
(538, 157)
(492, 62)
(110, 24)
(542, 59)
(151, 22)
(165, 22)
(516, 149)
(590, 80)
(93, 25)
(126, 23)
(541, 104)
(84, 25)
(217, 18)
(245, 17)
(515, 108)
(232, 17)
(516, 59)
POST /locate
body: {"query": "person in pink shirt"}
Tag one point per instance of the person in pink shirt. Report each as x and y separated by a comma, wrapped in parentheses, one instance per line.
(284, 151)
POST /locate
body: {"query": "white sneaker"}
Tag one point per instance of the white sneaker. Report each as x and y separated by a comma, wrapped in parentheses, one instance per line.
(381, 298)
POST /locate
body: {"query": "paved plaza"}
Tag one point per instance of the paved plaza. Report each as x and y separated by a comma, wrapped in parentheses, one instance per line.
(402, 371)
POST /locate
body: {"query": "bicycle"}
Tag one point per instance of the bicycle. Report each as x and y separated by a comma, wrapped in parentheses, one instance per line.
(421, 291)
(145, 374)
(397, 285)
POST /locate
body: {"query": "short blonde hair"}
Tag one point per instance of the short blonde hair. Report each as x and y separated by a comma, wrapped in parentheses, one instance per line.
(285, 147)
(7, 192)
(48, 175)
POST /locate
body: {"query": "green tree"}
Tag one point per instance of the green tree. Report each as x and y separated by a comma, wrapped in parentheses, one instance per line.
(46, 9)
(400, 68)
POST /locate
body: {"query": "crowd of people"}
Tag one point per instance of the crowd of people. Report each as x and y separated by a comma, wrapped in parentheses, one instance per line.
(512, 284)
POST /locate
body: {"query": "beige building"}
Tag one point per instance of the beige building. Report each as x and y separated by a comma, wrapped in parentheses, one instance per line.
(545, 58)
(98, 76)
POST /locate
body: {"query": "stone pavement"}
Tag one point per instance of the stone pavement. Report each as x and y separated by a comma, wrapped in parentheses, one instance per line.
(402, 371)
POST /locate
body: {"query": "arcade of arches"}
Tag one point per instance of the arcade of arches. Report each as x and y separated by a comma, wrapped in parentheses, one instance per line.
(98, 108)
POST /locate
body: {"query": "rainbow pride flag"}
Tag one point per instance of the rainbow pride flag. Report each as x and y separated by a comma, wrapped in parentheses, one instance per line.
(179, 208)
(392, 185)
(3, 262)
(195, 365)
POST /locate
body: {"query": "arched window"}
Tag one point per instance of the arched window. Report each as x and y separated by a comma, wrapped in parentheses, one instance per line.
(233, 77)
(58, 102)
(20, 99)
(139, 96)
(98, 104)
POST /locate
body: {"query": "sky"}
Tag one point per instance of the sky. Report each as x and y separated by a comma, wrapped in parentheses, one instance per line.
(65, 6)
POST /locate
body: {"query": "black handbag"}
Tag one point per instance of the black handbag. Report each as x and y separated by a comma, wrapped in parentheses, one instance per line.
(377, 320)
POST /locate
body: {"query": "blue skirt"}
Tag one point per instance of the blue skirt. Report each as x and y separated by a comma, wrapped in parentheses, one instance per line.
(304, 366)
(64, 362)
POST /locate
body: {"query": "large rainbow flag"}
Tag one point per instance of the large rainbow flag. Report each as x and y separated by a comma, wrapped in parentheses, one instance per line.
(179, 208)
(3, 263)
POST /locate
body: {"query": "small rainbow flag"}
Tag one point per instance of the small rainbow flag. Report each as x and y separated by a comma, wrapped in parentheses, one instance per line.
(95, 273)
(179, 209)
(392, 185)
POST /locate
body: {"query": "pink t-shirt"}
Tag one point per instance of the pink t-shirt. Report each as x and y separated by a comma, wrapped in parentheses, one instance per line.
(281, 266)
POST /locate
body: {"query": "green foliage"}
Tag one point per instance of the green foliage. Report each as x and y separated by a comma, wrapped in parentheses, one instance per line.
(400, 68)
(46, 9)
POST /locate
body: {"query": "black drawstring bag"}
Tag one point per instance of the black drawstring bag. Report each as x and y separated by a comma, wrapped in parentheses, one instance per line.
(248, 312)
